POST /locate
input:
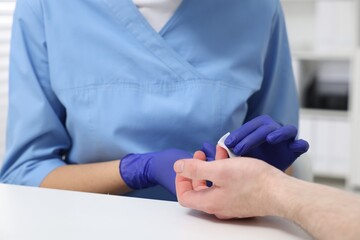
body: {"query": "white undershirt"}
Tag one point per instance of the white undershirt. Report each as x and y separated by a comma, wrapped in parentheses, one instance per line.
(157, 12)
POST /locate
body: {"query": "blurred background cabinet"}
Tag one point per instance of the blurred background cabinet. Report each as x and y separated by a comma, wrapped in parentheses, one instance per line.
(324, 38)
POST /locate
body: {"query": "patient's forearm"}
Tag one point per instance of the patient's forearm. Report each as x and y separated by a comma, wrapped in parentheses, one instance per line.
(97, 178)
(326, 213)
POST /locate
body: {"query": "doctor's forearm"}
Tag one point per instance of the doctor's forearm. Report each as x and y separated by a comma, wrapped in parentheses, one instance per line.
(326, 213)
(97, 178)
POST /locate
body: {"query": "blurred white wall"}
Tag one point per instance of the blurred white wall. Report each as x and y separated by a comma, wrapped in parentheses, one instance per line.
(6, 12)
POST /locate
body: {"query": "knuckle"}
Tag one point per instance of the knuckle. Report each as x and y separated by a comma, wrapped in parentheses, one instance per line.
(222, 172)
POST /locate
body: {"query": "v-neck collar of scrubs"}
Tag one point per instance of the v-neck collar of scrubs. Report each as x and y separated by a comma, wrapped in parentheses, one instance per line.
(127, 14)
(158, 12)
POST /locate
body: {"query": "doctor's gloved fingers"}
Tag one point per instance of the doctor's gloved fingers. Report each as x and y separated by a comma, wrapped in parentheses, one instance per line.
(282, 134)
(254, 139)
(299, 146)
(246, 129)
(209, 150)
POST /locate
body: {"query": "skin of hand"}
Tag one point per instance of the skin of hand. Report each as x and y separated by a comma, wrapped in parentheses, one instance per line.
(239, 185)
(244, 187)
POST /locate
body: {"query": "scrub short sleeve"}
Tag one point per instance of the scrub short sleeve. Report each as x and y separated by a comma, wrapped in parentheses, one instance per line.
(36, 136)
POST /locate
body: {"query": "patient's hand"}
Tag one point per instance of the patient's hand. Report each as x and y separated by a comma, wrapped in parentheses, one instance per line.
(241, 186)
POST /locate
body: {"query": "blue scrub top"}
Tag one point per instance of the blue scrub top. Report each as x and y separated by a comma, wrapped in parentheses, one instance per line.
(91, 81)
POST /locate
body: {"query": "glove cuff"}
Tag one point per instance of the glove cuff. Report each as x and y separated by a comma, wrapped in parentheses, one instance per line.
(133, 168)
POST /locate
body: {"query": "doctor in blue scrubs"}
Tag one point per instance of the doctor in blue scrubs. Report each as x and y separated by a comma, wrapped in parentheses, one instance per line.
(105, 95)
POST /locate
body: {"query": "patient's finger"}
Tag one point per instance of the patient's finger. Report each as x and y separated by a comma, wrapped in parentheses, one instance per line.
(183, 185)
(198, 199)
(199, 184)
(197, 169)
(200, 155)
(221, 153)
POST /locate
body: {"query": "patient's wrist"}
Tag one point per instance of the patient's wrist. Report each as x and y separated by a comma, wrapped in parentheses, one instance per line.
(278, 201)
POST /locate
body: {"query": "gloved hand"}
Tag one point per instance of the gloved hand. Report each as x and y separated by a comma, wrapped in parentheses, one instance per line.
(265, 139)
(209, 150)
(149, 169)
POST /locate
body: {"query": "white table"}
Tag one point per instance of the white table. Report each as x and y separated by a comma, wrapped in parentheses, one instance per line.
(34, 213)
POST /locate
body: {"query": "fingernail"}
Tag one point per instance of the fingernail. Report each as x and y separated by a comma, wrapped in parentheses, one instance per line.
(179, 166)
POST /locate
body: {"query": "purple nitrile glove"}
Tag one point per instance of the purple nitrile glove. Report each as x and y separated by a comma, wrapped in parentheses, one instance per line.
(149, 169)
(265, 139)
(209, 150)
